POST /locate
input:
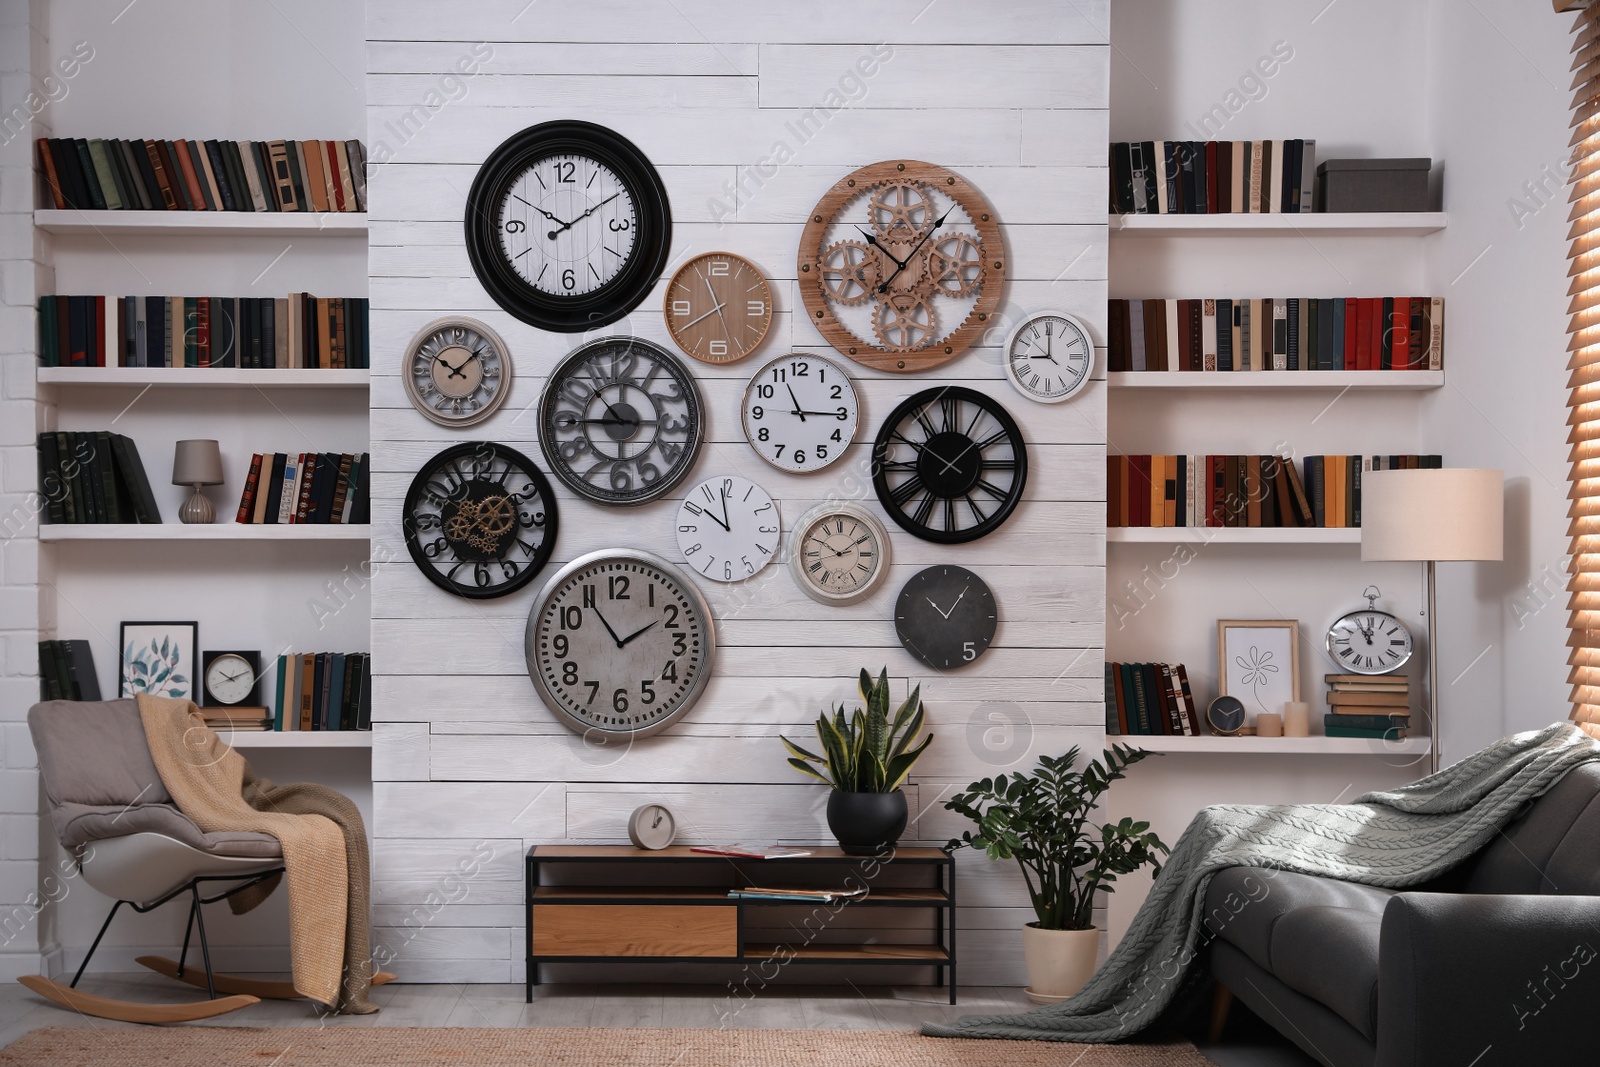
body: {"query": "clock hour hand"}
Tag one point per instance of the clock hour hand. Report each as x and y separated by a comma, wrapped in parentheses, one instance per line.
(636, 633)
(875, 243)
(607, 625)
(569, 225)
(883, 286)
(718, 309)
(539, 209)
(942, 613)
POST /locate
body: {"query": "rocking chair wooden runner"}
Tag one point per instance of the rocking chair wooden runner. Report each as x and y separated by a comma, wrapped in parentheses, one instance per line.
(111, 812)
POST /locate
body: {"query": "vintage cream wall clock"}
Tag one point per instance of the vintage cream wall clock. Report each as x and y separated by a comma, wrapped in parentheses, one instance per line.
(718, 307)
(800, 412)
(901, 265)
(839, 553)
(457, 371)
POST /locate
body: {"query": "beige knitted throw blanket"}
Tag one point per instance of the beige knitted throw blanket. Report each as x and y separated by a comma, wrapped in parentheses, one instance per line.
(324, 848)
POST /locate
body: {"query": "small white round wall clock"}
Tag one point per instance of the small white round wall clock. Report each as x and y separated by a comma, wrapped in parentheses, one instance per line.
(1369, 641)
(728, 528)
(457, 371)
(839, 553)
(800, 412)
(1049, 357)
(652, 826)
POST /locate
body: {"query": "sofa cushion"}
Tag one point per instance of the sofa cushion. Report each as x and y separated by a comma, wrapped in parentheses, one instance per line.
(95, 752)
(1331, 955)
(1548, 849)
(1244, 904)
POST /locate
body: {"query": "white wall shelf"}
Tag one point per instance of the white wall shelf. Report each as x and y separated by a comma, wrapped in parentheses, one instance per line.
(1376, 380)
(203, 223)
(210, 377)
(220, 531)
(1282, 746)
(1353, 224)
(297, 738)
(1233, 535)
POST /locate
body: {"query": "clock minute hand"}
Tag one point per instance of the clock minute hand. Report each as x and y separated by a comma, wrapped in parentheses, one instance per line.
(586, 214)
(607, 625)
(883, 286)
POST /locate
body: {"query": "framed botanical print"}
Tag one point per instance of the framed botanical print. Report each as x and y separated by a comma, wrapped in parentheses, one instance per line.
(159, 658)
(1258, 661)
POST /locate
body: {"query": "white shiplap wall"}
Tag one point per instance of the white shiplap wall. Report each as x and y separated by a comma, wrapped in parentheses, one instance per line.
(468, 764)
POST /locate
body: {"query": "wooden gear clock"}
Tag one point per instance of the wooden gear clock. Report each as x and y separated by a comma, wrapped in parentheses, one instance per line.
(901, 265)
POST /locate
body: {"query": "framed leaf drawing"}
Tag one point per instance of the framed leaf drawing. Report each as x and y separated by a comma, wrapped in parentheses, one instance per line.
(1258, 661)
(158, 658)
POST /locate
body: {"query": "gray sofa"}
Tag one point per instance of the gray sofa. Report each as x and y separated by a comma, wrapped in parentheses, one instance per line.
(1496, 963)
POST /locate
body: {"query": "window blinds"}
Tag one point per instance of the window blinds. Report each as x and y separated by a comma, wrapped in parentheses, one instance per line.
(1583, 401)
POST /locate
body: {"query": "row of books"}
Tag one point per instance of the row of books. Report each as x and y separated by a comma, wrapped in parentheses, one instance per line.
(134, 175)
(1269, 491)
(308, 487)
(323, 691)
(66, 671)
(296, 331)
(94, 477)
(1150, 698)
(1334, 333)
(1368, 705)
(1212, 177)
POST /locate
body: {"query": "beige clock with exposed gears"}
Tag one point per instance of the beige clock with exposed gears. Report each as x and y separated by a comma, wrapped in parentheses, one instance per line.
(901, 265)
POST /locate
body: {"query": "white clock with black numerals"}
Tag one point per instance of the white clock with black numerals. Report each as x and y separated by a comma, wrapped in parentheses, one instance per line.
(1049, 357)
(800, 413)
(1369, 641)
(728, 528)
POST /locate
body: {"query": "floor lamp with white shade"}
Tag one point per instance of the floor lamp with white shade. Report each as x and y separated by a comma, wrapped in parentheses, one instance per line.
(1432, 516)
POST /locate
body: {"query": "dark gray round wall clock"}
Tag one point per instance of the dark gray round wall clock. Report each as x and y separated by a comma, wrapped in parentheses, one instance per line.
(568, 226)
(946, 616)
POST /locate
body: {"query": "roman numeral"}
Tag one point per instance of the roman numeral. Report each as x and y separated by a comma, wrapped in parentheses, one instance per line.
(907, 489)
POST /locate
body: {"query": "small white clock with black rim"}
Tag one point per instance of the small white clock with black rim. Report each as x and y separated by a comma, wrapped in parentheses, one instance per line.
(1369, 641)
(728, 528)
(800, 413)
(1049, 357)
(839, 553)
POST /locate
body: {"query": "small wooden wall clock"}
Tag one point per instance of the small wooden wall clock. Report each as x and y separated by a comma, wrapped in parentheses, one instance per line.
(718, 307)
(901, 265)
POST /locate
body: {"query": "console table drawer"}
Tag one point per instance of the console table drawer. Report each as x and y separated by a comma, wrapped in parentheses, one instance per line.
(635, 930)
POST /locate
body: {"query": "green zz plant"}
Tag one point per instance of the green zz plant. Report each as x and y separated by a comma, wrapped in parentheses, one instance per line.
(868, 753)
(1041, 820)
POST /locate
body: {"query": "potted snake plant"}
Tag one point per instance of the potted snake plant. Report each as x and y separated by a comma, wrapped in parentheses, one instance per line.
(1041, 820)
(866, 759)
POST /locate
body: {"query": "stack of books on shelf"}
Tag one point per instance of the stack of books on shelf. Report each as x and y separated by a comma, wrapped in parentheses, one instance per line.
(93, 477)
(132, 175)
(1248, 491)
(66, 671)
(1212, 177)
(1150, 699)
(323, 691)
(238, 719)
(1367, 705)
(799, 896)
(308, 487)
(1276, 333)
(296, 331)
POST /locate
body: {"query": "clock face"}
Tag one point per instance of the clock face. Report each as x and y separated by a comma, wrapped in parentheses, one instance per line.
(901, 265)
(620, 421)
(457, 371)
(1369, 642)
(945, 617)
(567, 226)
(1226, 716)
(480, 520)
(800, 413)
(620, 643)
(839, 553)
(728, 528)
(652, 826)
(949, 465)
(1049, 357)
(230, 678)
(718, 307)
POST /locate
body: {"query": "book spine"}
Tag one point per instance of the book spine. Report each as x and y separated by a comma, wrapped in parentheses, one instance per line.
(247, 499)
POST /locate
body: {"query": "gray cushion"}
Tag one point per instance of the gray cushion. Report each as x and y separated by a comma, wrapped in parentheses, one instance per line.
(82, 824)
(1331, 955)
(1244, 904)
(1549, 849)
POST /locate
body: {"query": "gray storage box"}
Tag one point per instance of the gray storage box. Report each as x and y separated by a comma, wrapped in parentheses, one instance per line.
(1373, 185)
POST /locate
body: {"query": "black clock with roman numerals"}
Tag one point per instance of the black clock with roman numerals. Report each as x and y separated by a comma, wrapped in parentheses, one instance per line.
(480, 520)
(949, 465)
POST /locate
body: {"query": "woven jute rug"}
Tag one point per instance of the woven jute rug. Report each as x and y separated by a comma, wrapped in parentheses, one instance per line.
(225, 1046)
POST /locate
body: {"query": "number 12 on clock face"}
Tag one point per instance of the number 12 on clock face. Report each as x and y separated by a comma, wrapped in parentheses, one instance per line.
(800, 413)
(728, 528)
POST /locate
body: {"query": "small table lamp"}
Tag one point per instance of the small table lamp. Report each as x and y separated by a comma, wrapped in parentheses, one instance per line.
(1432, 515)
(197, 463)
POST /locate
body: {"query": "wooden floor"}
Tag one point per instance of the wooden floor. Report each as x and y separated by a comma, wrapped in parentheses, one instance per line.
(806, 1007)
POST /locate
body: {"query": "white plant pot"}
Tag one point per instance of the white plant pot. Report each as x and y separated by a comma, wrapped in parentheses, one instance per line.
(1059, 961)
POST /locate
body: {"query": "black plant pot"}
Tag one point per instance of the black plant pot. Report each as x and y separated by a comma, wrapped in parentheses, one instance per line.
(866, 823)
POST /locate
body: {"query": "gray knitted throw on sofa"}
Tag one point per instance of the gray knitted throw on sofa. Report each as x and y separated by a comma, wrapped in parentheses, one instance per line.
(1391, 839)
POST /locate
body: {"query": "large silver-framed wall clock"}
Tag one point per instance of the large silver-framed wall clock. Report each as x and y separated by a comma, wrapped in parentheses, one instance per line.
(457, 371)
(568, 226)
(800, 412)
(621, 421)
(480, 520)
(1369, 641)
(620, 643)
(1049, 357)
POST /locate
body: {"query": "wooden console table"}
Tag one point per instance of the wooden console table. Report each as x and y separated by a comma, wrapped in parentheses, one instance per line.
(610, 903)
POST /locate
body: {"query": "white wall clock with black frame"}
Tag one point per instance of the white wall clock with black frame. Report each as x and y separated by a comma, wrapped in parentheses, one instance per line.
(568, 226)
